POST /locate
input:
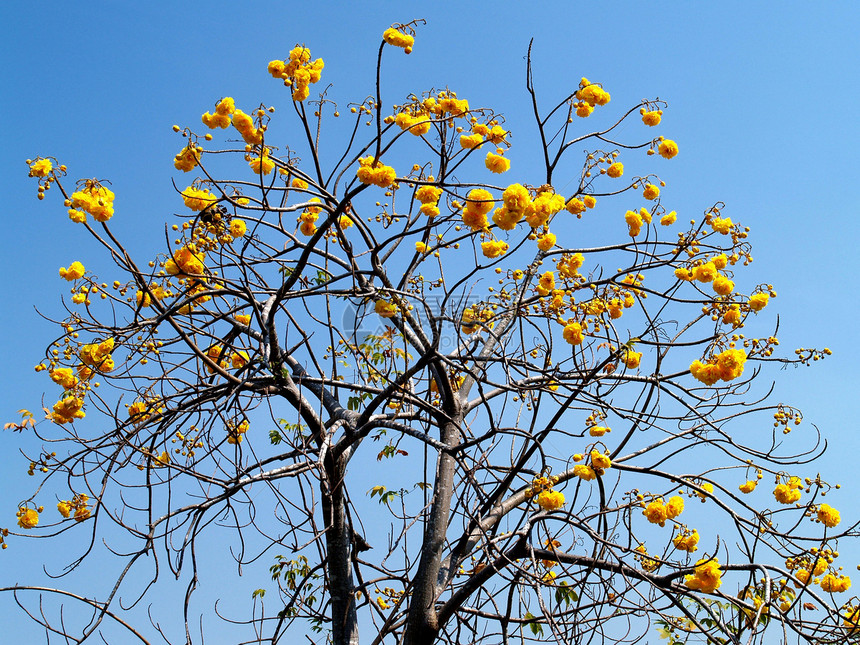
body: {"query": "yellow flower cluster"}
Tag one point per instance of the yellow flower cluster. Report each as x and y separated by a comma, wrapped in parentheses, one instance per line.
(835, 583)
(657, 512)
(417, 121)
(198, 199)
(667, 149)
(28, 518)
(651, 117)
(727, 365)
(75, 271)
(78, 507)
(828, 516)
(429, 198)
(748, 486)
(385, 309)
(572, 333)
(299, 71)
(308, 217)
(397, 38)
(496, 163)
(187, 158)
(707, 576)
(589, 95)
(550, 500)
(615, 170)
(67, 409)
(547, 498)
(576, 206)
(494, 248)
(474, 318)
(788, 493)
(479, 202)
(262, 164)
(186, 261)
(98, 356)
(244, 124)
(40, 168)
(376, 174)
(223, 112)
(687, 541)
(544, 206)
(236, 431)
(94, 199)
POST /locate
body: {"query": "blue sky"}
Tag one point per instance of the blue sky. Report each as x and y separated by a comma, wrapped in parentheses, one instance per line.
(762, 100)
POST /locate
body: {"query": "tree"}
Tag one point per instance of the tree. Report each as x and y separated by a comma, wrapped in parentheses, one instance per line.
(297, 337)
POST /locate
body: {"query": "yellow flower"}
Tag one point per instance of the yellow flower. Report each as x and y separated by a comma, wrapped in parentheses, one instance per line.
(398, 39)
(550, 500)
(65, 508)
(76, 270)
(262, 164)
(687, 541)
(497, 163)
(655, 512)
(238, 228)
(668, 149)
(828, 516)
(64, 377)
(572, 333)
(615, 170)
(494, 248)
(652, 117)
(651, 192)
(749, 486)
(631, 359)
(593, 95)
(28, 518)
(380, 175)
(589, 201)
(669, 218)
(198, 200)
(585, 473)
(469, 141)
(723, 286)
(731, 363)
(546, 241)
(722, 225)
(634, 222)
(758, 301)
(239, 359)
(674, 507)
(574, 206)
(516, 198)
(600, 460)
(67, 410)
(707, 576)
(785, 494)
(598, 431)
(187, 158)
(385, 309)
(705, 272)
(41, 168)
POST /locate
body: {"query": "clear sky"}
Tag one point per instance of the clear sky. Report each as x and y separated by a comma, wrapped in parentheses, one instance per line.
(762, 100)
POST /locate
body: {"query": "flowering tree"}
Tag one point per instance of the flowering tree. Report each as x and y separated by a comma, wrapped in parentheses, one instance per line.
(344, 349)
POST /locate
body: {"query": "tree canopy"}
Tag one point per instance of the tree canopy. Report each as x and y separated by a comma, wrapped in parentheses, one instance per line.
(443, 398)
